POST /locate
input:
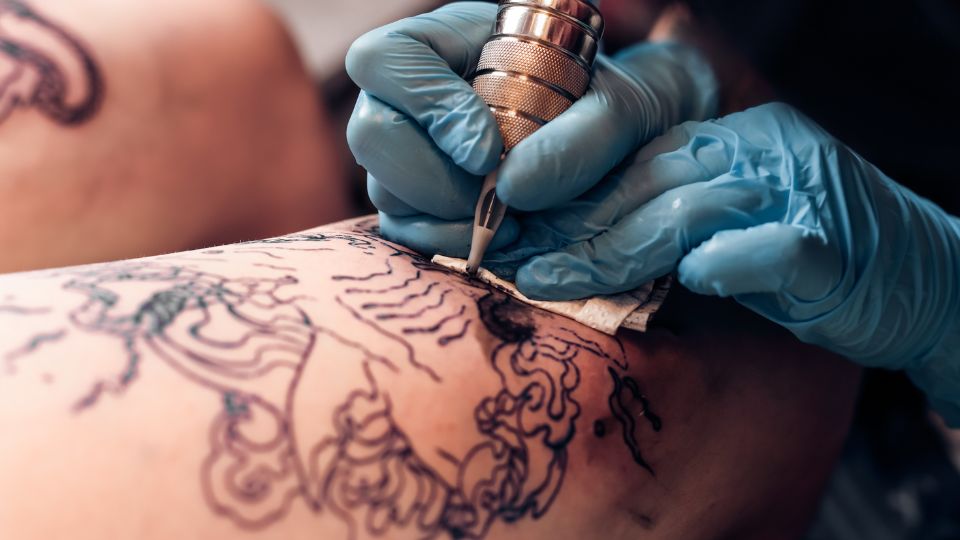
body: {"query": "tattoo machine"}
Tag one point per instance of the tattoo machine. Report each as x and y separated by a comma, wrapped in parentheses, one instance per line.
(537, 62)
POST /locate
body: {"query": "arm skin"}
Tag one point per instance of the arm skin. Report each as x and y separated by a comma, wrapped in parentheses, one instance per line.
(137, 128)
(329, 384)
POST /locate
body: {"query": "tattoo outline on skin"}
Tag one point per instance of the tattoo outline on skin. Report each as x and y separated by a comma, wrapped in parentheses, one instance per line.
(366, 471)
(36, 77)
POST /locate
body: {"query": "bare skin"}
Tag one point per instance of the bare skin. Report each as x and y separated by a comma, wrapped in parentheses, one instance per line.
(330, 384)
(137, 128)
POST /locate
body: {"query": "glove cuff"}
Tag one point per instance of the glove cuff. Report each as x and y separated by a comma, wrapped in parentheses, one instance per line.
(937, 373)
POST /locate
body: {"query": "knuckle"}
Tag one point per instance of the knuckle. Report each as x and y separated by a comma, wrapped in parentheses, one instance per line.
(390, 228)
(377, 195)
(368, 124)
(803, 244)
(359, 129)
(683, 210)
(517, 195)
(364, 55)
(686, 216)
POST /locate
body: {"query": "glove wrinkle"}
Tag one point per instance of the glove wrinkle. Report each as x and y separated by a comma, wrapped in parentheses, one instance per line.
(765, 206)
(453, 191)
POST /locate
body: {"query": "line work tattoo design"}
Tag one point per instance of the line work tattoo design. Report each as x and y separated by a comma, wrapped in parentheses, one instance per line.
(44, 66)
(229, 334)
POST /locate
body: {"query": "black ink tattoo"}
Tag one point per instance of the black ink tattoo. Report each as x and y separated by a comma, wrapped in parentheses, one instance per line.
(20, 310)
(32, 345)
(445, 340)
(37, 76)
(624, 402)
(365, 470)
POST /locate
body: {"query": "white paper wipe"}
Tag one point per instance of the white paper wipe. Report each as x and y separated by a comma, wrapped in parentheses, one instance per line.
(632, 310)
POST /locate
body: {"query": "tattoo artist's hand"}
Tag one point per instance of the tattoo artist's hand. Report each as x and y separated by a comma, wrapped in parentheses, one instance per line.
(426, 138)
(765, 206)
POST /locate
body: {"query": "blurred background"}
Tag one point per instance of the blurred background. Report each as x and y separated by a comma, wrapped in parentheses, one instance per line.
(223, 120)
(323, 31)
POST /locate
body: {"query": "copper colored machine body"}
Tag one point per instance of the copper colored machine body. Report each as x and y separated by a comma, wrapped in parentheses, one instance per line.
(535, 65)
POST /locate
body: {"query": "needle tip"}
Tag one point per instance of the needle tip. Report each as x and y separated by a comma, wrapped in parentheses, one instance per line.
(481, 239)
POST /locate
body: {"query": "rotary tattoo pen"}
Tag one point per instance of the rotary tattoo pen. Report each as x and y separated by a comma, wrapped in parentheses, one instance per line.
(536, 63)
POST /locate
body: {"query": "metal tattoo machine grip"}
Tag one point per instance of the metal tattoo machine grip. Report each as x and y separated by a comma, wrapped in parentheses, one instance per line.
(536, 63)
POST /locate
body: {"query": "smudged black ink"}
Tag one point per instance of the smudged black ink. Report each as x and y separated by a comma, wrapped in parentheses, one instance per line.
(505, 318)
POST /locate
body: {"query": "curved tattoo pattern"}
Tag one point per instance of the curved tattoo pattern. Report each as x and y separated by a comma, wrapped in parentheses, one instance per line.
(625, 393)
(364, 469)
(173, 323)
(33, 51)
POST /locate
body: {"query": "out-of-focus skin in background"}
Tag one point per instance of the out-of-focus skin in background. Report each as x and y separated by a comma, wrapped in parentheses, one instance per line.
(629, 21)
(324, 29)
(135, 128)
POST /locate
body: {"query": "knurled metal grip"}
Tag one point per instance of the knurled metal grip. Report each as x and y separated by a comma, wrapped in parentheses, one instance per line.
(537, 62)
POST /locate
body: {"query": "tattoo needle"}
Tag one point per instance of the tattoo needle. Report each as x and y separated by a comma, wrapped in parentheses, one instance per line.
(488, 217)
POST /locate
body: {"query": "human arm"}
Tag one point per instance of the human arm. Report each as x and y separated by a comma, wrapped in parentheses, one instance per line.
(298, 386)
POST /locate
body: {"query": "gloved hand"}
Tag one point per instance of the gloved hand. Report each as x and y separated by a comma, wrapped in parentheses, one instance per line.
(765, 206)
(426, 138)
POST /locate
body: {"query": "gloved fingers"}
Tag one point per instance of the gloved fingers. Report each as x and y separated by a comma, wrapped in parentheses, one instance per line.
(671, 140)
(769, 258)
(573, 152)
(649, 242)
(430, 235)
(685, 155)
(404, 160)
(387, 202)
(417, 66)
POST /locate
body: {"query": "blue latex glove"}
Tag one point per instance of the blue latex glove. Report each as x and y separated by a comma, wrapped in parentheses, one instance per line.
(765, 206)
(426, 138)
